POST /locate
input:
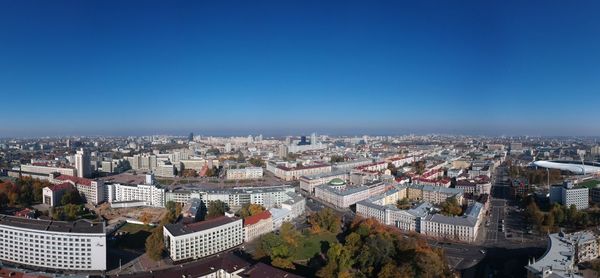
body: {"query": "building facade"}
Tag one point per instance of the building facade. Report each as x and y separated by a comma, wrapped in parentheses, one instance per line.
(202, 239)
(74, 246)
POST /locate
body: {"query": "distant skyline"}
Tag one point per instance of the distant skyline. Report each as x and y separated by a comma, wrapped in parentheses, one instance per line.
(294, 67)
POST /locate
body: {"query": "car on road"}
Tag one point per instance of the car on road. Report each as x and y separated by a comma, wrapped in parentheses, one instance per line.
(482, 251)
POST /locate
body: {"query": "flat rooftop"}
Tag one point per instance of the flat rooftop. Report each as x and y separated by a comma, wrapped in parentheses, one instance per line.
(79, 226)
(125, 178)
(179, 229)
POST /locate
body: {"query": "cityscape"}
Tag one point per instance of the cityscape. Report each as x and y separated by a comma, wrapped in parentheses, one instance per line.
(283, 139)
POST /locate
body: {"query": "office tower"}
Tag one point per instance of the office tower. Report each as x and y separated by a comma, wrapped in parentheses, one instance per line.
(82, 163)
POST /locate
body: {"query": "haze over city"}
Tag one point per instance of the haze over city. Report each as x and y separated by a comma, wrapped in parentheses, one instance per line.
(288, 67)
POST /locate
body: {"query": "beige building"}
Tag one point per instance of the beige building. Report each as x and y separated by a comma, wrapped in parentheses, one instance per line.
(293, 173)
(257, 225)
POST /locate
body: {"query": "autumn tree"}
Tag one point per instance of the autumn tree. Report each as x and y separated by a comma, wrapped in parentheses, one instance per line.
(155, 244)
(325, 220)
(250, 209)
(451, 207)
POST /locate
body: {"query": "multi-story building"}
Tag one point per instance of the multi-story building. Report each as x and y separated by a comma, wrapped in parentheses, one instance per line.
(422, 218)
(93, 191)
(568, 195)
(164, 170)
(83, 164)
(201, 239)
(150, 194)
(349, 196)
(257, 225)
(74, 246)
(562, 255)
(463, 228)
(296, 205)
(268, 196)
(433, 194)
(349, 165)
(288, 173)
(308, 183)
(245, 173)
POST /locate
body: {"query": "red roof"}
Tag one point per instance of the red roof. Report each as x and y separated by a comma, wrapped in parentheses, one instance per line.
(62, 186)
(76, 180)
(251, 220)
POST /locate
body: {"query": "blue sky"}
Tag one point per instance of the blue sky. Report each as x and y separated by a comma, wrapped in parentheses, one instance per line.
(284, 67)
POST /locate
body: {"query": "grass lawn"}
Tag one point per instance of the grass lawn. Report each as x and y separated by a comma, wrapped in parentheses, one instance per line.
(589, 183)
(311, 245)
(136, 237)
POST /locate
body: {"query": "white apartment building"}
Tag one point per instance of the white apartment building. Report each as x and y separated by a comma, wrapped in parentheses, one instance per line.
(150, 194)
(349, 196)
(164, 170)
(248, 173)
(74, 246)
(308, 183)
(257, 225)
(568, 195)
(289, 173)
(268, 196)
(202, 239)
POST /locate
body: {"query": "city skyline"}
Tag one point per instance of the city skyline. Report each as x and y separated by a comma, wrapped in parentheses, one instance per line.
(280, 68)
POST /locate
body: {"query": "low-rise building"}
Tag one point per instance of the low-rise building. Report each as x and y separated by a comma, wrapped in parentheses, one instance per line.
(248, 173)
(293, 173)
(308, 183)
(257, 225)
(52, 195)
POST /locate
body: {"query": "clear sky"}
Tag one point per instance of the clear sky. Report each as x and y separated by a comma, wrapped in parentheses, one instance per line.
(284, 67)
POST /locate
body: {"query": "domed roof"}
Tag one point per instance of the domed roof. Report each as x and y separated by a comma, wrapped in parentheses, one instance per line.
(337, 181)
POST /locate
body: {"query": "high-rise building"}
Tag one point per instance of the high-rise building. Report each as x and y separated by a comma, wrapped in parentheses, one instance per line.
(82, 163)
(228, 147)
(313, 139)
(191, 136)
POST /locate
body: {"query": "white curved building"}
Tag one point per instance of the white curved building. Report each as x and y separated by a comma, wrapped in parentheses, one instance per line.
(75, 246)
(572, 166)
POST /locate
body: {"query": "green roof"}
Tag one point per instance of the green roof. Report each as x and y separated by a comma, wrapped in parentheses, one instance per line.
(589, 183)
(337, 181)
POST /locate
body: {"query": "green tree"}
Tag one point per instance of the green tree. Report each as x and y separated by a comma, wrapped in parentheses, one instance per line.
(217, 208)
(256, 162)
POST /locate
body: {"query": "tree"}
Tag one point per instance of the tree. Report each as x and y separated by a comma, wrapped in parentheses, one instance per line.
(155, 244)
(189, 173)
(257, 162)
(338, 261)
(325, 220)
(250, 209)
(71, 196)
(71, 211)
(290, 235)
(145, 218)
(451, 207)
(277, 249)
(217, 208)
(337, 158)
(403, 203)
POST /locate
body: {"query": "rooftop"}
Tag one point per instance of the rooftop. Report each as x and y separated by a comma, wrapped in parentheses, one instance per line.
(251, 220)
(79, 226)
(76, 180)
(179, 229)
